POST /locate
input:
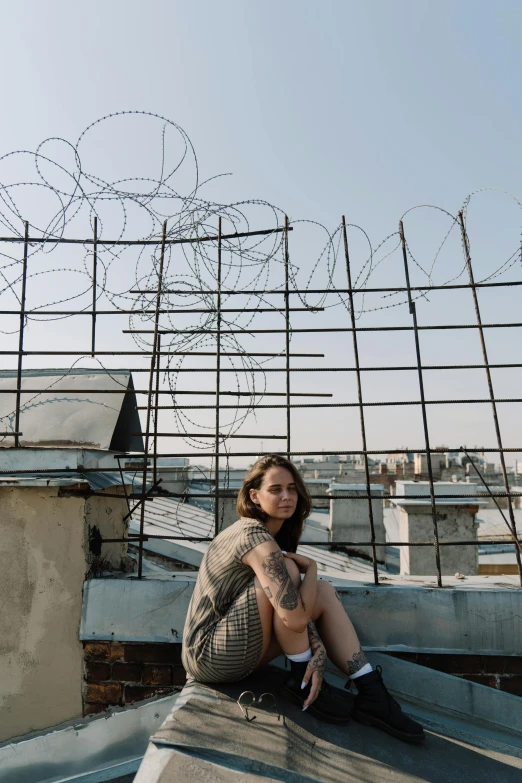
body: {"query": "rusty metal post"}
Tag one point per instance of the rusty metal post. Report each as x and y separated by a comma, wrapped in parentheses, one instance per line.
(360, 398)
(149, 401)
(469, 267)
(94, 284)
(413, 312)
(156, 407)
(218, 385)
(21, 336)
(287, 340)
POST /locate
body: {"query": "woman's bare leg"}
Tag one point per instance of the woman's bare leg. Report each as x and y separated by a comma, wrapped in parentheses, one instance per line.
(333, 624)
(336, 630)
(277, 638)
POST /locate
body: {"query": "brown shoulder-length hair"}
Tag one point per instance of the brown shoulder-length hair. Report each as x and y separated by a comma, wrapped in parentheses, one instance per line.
(292, 528)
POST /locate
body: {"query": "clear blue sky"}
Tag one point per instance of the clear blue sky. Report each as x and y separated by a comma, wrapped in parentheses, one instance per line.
(324, 108)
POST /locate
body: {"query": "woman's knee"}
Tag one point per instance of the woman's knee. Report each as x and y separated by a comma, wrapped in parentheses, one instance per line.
(326, 596)
(326, 590)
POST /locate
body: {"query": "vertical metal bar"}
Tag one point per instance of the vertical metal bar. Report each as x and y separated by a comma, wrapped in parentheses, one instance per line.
(21, 336)
(360, 398)
(467, 255)
(218, 385)
(413, 312)
(287, 341)
(149, 399)
(156, 409)
(123, 485)
(94, 283)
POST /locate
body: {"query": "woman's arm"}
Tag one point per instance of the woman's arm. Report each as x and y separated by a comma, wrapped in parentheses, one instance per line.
(292, 605)
(308, 588)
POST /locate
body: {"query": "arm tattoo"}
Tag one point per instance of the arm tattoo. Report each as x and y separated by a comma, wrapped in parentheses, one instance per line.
(357, 661)
(318, 661)
(274, 567)
(268, 591)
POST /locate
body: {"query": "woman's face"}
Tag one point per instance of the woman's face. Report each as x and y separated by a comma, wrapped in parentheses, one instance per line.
(277, 494)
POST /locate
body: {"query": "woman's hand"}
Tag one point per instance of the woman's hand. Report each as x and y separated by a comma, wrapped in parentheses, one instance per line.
(303, 563)
(315, 672)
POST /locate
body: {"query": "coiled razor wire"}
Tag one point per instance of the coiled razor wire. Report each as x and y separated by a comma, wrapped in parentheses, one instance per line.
(61, 182)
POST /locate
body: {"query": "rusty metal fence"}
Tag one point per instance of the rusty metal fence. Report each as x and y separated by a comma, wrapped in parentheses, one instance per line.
(152, 394)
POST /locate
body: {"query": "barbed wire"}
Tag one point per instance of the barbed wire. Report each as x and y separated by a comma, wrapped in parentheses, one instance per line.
(61, 196)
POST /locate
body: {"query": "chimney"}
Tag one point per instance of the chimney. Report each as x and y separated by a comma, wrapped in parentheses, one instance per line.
(455, 521)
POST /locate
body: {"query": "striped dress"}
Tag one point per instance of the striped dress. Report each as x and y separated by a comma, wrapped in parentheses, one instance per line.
(223, 636)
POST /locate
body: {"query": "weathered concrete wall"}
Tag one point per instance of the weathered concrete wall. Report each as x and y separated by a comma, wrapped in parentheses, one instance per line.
(454, 523)
(44, 562)
(107, 515)
(41, 544)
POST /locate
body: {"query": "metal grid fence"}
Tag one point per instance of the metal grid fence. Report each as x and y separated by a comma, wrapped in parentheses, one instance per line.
(153, 392)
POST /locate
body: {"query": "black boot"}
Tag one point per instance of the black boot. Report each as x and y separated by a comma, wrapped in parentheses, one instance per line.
(332, 705)
(374, 706)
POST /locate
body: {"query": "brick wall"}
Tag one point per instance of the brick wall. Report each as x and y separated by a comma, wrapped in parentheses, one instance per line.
(503, 672)
(123, 673)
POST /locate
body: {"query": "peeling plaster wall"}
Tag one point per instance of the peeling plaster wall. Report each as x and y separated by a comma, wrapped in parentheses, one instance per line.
(44, 562)
(107, 515)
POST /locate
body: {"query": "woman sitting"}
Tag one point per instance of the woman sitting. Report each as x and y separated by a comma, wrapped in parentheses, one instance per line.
(251, 603)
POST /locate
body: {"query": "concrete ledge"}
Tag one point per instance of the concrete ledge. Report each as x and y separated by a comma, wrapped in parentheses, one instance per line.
(407, 618)
(149, 610)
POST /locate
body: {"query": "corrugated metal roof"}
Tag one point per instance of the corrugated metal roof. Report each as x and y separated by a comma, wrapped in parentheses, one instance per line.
(169, 516)
(492, 525)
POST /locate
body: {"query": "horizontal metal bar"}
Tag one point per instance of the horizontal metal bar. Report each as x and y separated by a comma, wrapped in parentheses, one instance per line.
(201, 392)
(257, 407)
(173, 353)
(290, 369)
(166, 311)
(243, 369)
(333, 544)
(231, 494)
(125, 390)
(138, 455)
(247, 331)
(141, 242)
(212, 435)
(300, 291)
(391, 403)
(134, 456)
(226, 494)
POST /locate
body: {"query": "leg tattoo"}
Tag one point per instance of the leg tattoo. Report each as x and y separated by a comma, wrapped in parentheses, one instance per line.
(357, 662)
(318, 661)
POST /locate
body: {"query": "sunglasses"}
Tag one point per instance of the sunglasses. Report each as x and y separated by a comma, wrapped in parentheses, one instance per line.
(265, 703)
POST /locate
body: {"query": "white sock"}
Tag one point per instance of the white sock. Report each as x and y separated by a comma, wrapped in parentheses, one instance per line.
(301, 657)
(366, 669)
